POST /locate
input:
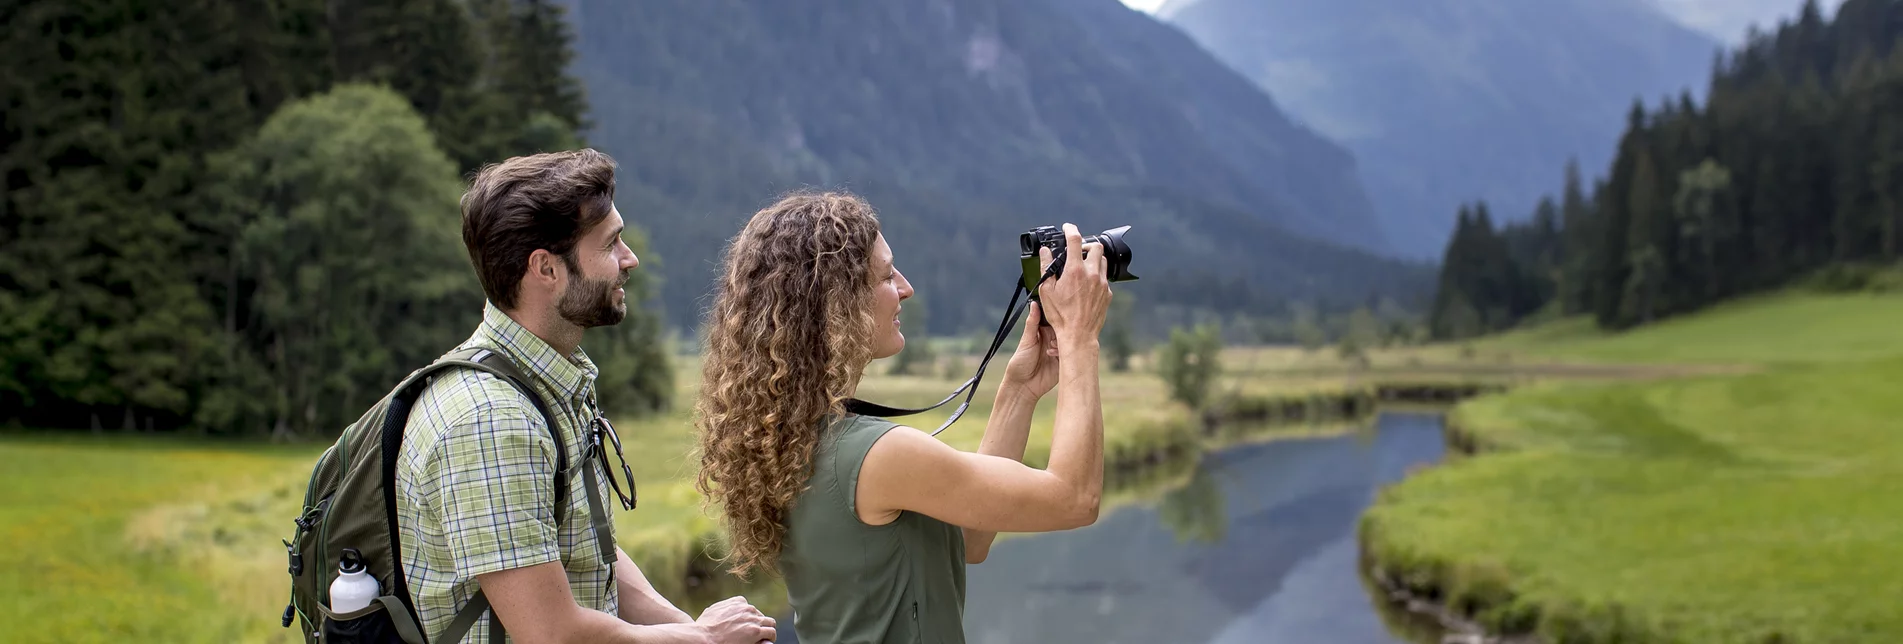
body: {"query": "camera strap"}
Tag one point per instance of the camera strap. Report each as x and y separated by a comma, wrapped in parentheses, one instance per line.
(1013, 311)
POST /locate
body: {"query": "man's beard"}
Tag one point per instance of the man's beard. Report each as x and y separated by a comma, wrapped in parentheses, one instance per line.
(590, 303)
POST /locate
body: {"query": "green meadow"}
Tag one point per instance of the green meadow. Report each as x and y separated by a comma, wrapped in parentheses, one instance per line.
(1749, 507)
(150, 540)
(155, 539)
(1724, 477)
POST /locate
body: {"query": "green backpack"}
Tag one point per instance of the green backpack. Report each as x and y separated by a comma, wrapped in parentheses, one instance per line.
(351, 504)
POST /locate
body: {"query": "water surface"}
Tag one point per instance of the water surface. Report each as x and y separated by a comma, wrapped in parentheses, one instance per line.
(1258, 546)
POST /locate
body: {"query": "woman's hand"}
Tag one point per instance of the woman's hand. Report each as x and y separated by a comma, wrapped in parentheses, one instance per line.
(1076, 301)
(1032, 370)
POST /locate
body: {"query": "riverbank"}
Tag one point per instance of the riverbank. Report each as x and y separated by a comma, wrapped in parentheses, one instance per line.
(108, 521)
(1750, 507)
(1150, 444)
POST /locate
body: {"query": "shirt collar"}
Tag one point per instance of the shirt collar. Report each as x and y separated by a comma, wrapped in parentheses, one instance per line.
(572, 377)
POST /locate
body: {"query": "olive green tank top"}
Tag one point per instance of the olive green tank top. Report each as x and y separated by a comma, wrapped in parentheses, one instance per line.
(853, 583)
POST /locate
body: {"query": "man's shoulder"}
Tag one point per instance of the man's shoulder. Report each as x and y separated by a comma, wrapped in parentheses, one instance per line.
(458, 400)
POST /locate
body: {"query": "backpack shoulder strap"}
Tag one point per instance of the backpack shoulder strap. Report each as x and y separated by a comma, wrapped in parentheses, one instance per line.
(495, 362)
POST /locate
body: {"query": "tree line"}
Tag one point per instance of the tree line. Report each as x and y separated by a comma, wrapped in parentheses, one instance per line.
(240, 216)
(1793, 164)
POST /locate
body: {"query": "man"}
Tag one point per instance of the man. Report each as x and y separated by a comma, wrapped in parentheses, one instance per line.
(477, 468)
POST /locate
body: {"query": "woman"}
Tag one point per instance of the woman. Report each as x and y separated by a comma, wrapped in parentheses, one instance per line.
(870, 522)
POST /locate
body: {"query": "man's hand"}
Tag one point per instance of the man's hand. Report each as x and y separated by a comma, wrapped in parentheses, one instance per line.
(734, 621)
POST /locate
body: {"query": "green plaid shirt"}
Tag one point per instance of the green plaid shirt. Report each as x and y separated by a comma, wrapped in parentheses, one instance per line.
(476, 479)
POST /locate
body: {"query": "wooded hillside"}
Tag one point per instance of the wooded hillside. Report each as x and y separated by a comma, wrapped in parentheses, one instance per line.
(1793, 166)
(240, 216)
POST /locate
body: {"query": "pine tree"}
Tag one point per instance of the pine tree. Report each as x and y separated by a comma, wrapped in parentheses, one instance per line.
(1611, 266)
(1886, 168)
(1577, 238)
(1645, 244)
(1451, 288)
(1702, 224)
(100, 317)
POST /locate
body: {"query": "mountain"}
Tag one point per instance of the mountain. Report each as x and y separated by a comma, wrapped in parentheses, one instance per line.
(966, 122)
(1449, 101)
(1731, 20)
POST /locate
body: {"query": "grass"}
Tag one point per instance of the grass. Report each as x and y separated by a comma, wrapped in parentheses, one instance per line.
(1734, 508)
(1772, 330)
(108, 540)
(155, 539)
(1708, 508)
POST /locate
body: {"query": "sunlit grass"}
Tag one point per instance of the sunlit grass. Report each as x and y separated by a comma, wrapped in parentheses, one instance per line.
(140, 540)
(1784, 328)
(1740, 508)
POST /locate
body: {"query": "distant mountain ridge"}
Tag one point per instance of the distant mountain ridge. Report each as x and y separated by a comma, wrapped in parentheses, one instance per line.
(966, 122)
(1448, 101)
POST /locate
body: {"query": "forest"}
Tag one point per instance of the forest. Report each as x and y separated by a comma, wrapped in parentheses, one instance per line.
(241, 217)
(1793, 169)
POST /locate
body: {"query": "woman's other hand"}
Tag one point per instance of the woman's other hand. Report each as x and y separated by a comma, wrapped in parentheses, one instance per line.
(1032, 371)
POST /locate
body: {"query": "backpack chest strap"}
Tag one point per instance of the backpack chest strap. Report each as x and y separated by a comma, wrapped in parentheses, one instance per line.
(597, 514)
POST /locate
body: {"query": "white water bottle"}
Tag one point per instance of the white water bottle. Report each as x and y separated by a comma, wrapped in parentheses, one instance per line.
(354, 588)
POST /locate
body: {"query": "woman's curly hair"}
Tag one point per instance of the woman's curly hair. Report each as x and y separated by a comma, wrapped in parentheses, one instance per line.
(787, 338)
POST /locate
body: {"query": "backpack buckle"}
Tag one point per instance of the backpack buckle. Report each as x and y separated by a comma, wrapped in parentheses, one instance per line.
(297, 559)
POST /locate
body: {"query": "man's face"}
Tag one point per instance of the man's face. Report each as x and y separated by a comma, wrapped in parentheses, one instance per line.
(594, 297)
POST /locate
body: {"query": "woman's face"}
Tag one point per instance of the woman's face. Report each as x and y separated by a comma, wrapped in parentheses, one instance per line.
(889, 288)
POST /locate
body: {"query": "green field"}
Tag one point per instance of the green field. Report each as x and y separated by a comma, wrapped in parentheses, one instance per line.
(141, 540)
(155, 539)
(1770, 330)
(1774, 486)
(1739, 508)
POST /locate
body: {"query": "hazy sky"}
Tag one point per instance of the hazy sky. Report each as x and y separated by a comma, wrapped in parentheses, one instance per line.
(1723, 19)
(1726, 20)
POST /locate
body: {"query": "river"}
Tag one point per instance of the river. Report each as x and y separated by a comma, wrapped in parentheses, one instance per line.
(1258, 546)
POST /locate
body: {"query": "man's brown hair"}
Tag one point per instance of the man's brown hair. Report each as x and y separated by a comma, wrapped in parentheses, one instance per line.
(544, 201)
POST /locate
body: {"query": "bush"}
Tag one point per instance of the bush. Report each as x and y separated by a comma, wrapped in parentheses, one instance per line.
(917, 356)
(1857, 277)
(1190, 362)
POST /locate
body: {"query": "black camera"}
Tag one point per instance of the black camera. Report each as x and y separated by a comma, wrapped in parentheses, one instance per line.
(1116, 264)
(1116, 260)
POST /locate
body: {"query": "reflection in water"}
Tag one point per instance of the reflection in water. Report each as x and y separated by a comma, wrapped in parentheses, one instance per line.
(1194, 511)
(1258, 546)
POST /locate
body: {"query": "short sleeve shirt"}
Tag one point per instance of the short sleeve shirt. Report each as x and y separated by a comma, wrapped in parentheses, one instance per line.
(476, 478)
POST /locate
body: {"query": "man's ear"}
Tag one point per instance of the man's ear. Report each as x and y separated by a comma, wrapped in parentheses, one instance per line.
(544, 268)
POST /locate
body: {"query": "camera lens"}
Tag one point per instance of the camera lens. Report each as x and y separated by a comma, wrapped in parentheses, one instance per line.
(1116, 253)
